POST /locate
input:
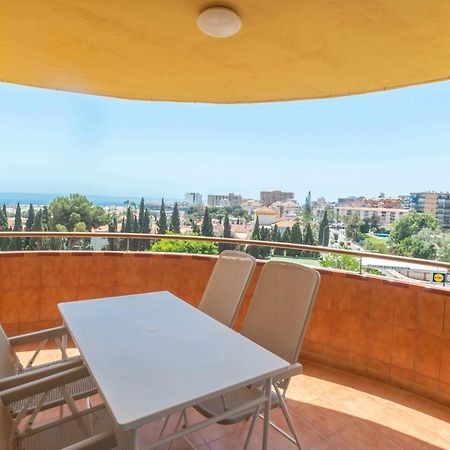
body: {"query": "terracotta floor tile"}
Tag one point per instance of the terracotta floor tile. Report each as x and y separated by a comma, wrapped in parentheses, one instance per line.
(362, 437)
(331, 409)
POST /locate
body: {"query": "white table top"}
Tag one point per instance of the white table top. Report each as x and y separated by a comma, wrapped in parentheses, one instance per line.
(153, 354)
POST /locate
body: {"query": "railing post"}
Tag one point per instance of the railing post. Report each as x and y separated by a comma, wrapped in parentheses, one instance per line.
(128, 244)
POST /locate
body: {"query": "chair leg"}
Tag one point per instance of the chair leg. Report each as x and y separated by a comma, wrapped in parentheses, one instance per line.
(183, 416)
(287, 416)
(251, 428)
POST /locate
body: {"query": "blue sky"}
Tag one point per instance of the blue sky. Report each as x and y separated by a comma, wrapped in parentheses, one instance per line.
(395, 142)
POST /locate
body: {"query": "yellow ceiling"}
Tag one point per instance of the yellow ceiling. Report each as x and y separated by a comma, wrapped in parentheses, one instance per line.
(286, 49)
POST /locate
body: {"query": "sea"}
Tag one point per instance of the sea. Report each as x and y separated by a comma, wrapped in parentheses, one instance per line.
(12, 198)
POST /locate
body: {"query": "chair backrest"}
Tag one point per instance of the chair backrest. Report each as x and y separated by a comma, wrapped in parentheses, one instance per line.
(7, 361)
(227, 285)
(281, 307)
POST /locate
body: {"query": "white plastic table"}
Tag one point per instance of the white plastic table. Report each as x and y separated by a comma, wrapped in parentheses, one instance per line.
(153, 354)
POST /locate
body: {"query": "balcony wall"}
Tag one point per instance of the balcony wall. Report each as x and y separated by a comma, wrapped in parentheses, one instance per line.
(392, 331)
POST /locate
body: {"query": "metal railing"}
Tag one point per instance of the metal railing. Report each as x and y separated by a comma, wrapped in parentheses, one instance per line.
(243, 242)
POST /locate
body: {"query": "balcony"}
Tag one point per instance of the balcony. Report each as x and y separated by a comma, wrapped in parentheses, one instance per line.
(377, 352)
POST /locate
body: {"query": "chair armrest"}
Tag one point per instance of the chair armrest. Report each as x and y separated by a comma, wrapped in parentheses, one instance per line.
(293, 370)
(102, 441)
(32, 375)
(43, 385)
(38, 335)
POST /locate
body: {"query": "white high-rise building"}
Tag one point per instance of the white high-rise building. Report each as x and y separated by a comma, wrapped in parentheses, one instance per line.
(193, 198)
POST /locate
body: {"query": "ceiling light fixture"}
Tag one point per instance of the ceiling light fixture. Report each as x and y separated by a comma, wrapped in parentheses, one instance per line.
(219, 22)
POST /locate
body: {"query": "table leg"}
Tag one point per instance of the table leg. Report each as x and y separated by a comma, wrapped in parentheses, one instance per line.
(267, 392)
(134, 440)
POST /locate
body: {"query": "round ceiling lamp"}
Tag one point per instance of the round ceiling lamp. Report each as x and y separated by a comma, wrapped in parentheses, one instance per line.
(219, 22)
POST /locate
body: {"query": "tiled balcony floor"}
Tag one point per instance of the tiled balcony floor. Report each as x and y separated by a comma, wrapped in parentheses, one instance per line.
(333, 409)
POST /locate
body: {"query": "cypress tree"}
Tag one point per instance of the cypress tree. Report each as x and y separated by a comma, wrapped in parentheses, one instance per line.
(4, 243)
(134, 243)
(195, 227)
(141, 215)
(144, 244)
(34, 243)
(128, 221)
(295, 238)
(30, 219)
(256, 230)
(162, 222)
(123, 242)
(29, 225)
(16, 243)
(307, 212)
(276, 237)
(112, 228)
(175, 219)
(207, 228)
(264, 235)
(254, 249)
(286, 237)
(324, 231)
(226, 234)
(309, 238)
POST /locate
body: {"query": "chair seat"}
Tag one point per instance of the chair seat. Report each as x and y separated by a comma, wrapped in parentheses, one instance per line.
(79, 389)
(50, 364)
(234, 399)
(70, 430)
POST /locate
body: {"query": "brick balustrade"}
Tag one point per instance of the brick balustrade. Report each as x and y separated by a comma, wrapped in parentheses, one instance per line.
(393, 331)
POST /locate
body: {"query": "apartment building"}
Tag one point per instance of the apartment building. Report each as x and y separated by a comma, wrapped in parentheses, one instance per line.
(434, 203)
(193, 198)
(269, 197)
(387, 216)
(231, 199)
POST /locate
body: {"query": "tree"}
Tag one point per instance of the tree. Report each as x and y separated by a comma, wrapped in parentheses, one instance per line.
(195, 228)
(285, 237)
(295, 238)
(162, 222)
(141, 214)
(309, 238)
(264, 235)
(29, 225)
(145, 243)
(112, 228)
(16, 243)
(30, 218)
(175, 219)
(276, 237)
(207, 228)
(324, 231)
(34, 243)
(307, 210)
(411, 224)
(76, 208)
(226, 234)
(4, 243)
(352, 227)
(443, 253)
(134, 243)
(253, 249)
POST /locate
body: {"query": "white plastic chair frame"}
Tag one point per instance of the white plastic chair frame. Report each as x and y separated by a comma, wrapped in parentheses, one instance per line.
(297, 286)
(57, 334)
(14, 373)
(16, 430)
